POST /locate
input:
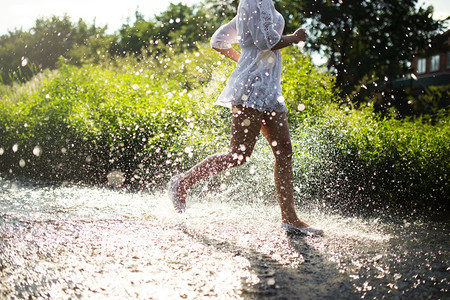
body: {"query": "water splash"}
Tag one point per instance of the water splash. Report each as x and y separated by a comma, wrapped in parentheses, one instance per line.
(81, 241)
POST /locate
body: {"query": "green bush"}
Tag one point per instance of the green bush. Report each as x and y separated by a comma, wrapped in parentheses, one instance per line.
(135, 116)
(355, 160)
(142, 120)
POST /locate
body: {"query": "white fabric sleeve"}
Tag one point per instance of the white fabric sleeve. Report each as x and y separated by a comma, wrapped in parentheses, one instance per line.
(225, 36)
(261, 25)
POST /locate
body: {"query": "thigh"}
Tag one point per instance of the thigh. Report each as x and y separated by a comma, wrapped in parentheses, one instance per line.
(245, 128)
(275, 128)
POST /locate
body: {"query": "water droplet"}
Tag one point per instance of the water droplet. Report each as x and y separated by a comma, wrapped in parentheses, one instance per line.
(37, 151)
(244, 97)
(301, 107)
(15, 148)
(22, 163)
(24, 61)
(115, 178)
(135, 86)
(47, 96)
(246, 122)
(2, 150)
(274, 143)
(63, 150)
(280, 99)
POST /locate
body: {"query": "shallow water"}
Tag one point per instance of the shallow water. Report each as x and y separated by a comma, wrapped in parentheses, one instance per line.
(73, 241)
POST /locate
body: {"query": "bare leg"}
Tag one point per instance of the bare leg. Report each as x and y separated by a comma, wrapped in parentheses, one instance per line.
(245, 128)
(276, 130)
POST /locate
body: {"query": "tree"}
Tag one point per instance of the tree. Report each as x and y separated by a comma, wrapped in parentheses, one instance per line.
(364, 41)
(222, 10)
(179, 27)
(132, 39)
(23, 54)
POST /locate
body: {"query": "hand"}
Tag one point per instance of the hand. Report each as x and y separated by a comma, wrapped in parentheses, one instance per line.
(299, 35)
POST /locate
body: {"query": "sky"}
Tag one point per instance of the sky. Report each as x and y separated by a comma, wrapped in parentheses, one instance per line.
(21, 14)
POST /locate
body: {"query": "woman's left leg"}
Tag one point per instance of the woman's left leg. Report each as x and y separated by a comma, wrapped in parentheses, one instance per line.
(276, 130)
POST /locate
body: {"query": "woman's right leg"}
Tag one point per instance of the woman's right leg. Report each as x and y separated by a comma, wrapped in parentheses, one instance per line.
(245, 128)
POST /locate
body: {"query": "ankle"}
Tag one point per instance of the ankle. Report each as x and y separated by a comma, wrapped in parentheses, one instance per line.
(295, 222)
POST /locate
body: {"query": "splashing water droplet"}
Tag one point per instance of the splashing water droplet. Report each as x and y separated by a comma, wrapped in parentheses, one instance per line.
(15, 148)
(37, 151)
(24, 61)
(2, 150)
(301, 107)
(246, 122)
(22, 163)
(115, 178)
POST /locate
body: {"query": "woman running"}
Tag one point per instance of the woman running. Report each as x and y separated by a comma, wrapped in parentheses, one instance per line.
(253, 92)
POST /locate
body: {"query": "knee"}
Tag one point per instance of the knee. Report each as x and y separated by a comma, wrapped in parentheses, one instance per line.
(239, 155)
(238, 158)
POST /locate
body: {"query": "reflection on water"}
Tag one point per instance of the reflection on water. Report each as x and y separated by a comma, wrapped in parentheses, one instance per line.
(76, 241)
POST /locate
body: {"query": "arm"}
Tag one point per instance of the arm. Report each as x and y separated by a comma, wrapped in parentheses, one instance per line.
(223, 38)
(230, 53)
(288, 40)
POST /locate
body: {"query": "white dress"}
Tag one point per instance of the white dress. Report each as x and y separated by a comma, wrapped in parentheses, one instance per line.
(255, 82)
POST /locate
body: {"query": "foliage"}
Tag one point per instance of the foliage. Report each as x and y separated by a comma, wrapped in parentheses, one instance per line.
(306, 88)
(354, 160)
(87, 122)
(180, 27)
(145, 119)
(364, 41)
(24, 54)
(434, 103)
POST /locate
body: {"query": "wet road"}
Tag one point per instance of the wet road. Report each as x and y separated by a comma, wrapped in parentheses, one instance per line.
(69, 241)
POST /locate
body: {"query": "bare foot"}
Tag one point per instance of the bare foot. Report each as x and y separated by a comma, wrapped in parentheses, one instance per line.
(297, 223)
